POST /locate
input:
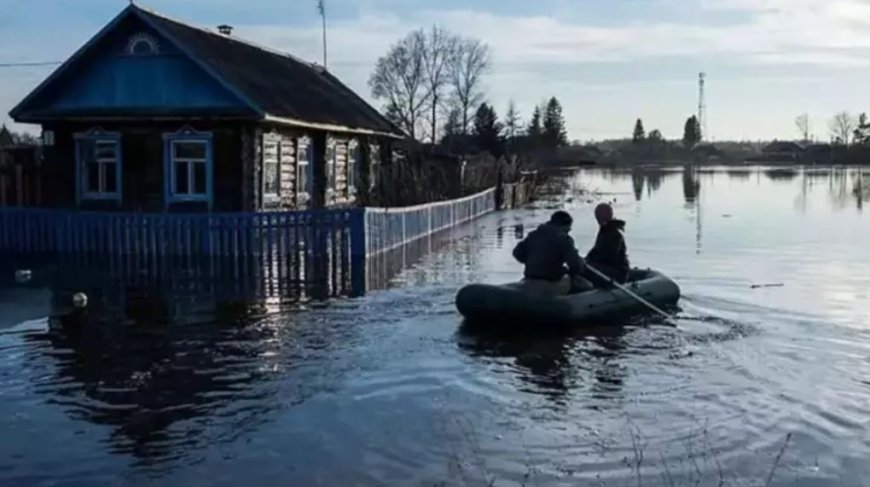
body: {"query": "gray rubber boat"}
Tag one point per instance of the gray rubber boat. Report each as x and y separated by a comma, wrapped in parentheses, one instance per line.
(513, 303)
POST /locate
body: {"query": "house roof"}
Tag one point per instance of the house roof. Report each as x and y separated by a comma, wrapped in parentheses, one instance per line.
(277, 86)
(782, 146)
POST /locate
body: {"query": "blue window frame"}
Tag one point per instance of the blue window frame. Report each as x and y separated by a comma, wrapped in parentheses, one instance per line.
(188, 167)
(98, 166)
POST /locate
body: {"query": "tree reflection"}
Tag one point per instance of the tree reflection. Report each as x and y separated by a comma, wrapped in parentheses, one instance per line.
(691, 184)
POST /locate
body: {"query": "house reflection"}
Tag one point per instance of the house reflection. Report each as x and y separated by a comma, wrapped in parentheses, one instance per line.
(169, 365)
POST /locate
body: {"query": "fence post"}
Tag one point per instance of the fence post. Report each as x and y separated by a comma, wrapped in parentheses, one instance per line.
(358, 240)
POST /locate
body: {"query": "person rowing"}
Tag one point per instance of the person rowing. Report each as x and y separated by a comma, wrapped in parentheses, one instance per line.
(554, 266)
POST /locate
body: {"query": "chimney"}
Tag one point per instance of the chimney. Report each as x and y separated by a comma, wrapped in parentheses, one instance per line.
(225, 29)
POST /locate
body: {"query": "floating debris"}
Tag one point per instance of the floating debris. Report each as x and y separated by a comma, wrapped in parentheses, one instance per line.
(23, 275)
(757, 286)
(80, 300)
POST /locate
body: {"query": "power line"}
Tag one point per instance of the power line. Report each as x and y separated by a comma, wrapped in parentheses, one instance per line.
(28, 64)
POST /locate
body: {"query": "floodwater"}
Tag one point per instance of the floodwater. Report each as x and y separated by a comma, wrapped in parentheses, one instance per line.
(757, 386)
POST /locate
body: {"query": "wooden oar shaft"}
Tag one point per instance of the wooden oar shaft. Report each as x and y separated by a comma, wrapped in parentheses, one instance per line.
(634, 295)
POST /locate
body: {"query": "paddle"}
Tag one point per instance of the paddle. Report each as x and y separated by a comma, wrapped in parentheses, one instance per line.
(670, 319)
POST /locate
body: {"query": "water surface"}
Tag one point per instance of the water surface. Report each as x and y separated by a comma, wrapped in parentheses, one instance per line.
(170, 385)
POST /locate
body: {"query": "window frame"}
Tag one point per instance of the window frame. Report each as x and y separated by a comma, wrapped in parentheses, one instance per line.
(353, 161)
(189, 136)
(304, 145)
(97, 137)
(271, 138)
(374, 165)
(331, 173)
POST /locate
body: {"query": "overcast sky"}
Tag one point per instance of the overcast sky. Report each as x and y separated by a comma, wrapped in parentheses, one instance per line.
(608, 61)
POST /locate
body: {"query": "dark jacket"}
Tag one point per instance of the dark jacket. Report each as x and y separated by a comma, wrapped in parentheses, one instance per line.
(609, 251)
(549, 253)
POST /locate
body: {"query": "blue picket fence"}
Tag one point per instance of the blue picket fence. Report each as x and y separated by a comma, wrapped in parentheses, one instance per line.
(328, 247)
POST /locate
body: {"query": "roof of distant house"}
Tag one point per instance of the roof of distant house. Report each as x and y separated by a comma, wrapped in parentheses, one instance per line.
(277, 86)
(782, 146)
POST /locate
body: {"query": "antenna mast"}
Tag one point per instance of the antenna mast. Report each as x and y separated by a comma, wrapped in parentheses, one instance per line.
(321, 9)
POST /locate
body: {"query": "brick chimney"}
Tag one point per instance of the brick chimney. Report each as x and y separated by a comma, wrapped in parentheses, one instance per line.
(225, 29)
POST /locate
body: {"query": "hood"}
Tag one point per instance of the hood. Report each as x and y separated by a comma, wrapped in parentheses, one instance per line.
(614, 224)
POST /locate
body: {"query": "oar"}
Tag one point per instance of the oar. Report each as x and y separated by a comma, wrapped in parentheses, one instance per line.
(671, 320)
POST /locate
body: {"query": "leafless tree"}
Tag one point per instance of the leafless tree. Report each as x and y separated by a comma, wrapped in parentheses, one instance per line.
(440, 45)
(400, 80)
(842, 126)
(803, 126)
(469, 63)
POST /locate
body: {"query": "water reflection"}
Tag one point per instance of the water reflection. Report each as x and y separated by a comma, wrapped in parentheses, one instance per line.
(156, 380)
(555, 363)
(782, 174)
(649, 177)
(691, 184)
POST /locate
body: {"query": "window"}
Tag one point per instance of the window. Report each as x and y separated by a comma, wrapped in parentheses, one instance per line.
(188, 166)
(329, 160)
(304, 155)
(374, 165)
(352, 166)
(99, 165)
(271, 167)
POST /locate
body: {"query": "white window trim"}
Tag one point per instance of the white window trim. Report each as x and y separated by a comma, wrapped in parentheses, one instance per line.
(331, 176)
(303, 191)
(190, 136)
(352, 168)
(374, 165)
(271, 138)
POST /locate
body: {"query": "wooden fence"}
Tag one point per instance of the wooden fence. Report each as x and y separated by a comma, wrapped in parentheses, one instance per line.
(20, 182)
(326, 249)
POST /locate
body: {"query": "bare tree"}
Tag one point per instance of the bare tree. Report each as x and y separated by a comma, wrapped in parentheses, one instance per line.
(803, 126)
(400, 80)
(440, 45)
(469, 63)
(842, 126)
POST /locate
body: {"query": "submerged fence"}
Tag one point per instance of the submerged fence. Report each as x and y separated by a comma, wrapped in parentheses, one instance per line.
(325, 248)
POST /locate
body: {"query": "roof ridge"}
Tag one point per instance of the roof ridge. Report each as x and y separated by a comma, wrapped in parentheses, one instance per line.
(309, 64)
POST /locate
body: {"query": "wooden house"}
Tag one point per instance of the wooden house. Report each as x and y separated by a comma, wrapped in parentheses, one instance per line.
(153, 114)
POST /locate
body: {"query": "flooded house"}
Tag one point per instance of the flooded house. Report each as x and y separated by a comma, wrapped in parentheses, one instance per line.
(155, 115)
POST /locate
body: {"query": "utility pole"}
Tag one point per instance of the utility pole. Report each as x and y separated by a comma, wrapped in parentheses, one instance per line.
(321, 8)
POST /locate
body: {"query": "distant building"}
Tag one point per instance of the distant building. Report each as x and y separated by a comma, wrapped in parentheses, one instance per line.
(779, 151)
(153, 114)
(6, 139)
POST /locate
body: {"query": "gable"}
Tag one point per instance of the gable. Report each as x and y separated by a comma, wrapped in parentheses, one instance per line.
(131, 70)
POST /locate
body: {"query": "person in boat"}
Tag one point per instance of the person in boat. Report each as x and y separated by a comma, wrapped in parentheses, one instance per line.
(552, 263)
(609, 254)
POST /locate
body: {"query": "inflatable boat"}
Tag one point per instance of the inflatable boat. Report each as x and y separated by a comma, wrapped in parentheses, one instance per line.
(513, 302)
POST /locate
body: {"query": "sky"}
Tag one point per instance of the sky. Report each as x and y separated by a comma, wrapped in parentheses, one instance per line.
(608, 61)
